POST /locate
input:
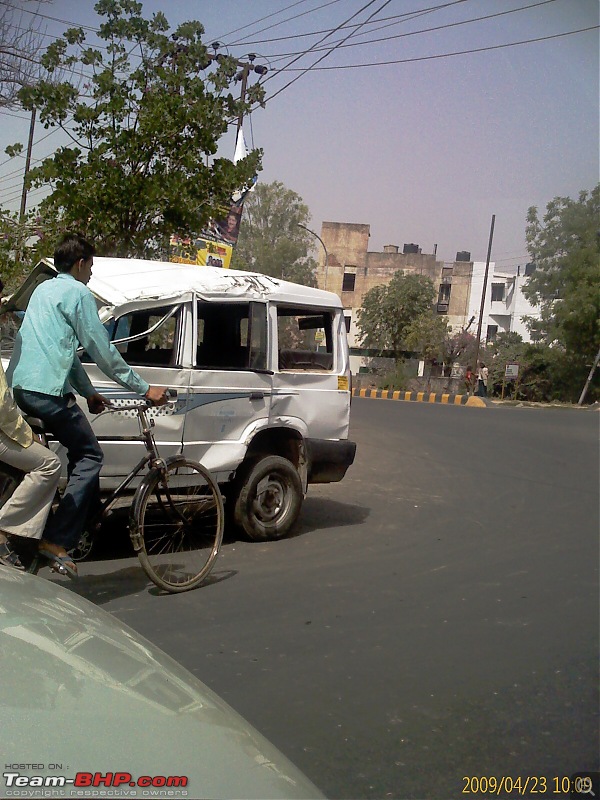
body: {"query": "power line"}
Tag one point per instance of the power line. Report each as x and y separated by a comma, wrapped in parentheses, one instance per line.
(430, 30)
(448, 55)
(398, 19)
(281, 22)
(325, 55)
(53, 19)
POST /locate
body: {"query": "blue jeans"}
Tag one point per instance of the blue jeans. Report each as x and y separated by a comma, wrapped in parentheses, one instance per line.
(66, 422)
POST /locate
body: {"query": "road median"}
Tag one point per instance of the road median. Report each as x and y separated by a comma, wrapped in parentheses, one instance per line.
(422, 397)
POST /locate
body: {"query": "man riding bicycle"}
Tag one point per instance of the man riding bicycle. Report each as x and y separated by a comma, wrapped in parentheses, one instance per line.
(45, 369)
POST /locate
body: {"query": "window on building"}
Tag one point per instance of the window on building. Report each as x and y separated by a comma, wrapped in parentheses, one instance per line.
(492, 332)
(348, 282)
(348, 321)
(444, 295)
(497, 292)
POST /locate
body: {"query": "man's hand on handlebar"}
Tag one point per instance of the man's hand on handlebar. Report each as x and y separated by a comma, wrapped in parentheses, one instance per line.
(97, 403)
(156, 395)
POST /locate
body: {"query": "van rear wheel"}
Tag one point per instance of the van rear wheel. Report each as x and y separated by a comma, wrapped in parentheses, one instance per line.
(268, 499)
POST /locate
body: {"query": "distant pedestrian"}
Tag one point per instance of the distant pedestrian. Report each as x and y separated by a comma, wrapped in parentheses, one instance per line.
(482, 380)
(469, 380)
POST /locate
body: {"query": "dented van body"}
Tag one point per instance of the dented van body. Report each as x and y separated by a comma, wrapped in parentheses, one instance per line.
(260, 368)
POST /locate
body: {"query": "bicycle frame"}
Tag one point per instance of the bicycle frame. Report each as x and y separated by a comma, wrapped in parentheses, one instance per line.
(152, 458)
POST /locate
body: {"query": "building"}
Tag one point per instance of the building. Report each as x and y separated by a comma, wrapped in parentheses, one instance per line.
(505, 306)
(352, 270)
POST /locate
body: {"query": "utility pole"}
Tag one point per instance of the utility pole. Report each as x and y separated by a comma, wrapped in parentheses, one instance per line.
(21, 234)
(246, 69)
(589, 379)
(483, 291)
(27, 165)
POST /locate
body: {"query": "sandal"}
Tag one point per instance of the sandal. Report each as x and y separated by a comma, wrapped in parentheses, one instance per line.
(64, 565)
(9, 558)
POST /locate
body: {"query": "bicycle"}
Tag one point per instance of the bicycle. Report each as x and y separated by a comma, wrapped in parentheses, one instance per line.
(176, 517)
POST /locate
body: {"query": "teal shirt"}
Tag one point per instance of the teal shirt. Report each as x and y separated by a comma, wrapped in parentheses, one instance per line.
(61, 316)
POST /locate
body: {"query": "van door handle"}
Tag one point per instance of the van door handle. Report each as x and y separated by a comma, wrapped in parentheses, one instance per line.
(257, 396)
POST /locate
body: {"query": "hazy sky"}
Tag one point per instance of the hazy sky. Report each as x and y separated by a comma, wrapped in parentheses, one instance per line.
(425, 150)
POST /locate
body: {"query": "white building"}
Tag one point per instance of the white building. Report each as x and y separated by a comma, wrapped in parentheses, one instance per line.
(505, 306)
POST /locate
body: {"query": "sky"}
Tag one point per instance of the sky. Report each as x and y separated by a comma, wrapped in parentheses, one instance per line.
(425, 149)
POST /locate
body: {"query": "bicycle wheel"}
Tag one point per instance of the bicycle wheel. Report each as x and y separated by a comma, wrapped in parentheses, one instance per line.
(177, 524)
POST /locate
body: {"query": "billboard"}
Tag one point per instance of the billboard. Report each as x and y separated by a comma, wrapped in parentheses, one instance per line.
(203, 251)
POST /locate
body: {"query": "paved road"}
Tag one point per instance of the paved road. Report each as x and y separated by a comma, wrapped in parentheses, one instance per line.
(434, 618)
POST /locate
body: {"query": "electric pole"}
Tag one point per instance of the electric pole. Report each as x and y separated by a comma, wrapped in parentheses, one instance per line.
(483, 291)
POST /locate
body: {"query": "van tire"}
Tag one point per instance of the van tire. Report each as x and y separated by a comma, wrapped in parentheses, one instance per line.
(268, 498)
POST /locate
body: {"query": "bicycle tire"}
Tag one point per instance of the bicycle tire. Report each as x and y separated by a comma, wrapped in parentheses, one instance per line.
(177, 524)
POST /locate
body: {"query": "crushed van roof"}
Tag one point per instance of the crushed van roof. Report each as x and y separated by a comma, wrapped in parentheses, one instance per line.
(119, 281)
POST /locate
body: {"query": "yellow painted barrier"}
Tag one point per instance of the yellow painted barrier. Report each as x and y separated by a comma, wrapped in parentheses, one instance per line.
(422, 397)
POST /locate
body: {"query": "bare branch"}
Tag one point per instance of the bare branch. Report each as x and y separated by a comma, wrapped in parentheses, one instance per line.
(21, 36)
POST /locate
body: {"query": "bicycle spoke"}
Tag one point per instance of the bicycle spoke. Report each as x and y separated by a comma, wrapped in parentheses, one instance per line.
(181, 521)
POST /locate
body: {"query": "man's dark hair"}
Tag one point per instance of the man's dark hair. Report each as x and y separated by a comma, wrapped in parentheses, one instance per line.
(71, 249)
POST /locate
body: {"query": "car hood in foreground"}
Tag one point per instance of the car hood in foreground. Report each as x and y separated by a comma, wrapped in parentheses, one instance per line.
(81, 692)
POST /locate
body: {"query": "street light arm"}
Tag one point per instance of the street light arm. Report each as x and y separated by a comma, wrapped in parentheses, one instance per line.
(316, 235)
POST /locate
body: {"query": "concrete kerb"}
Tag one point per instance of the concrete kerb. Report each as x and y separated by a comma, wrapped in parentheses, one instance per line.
(423, 397)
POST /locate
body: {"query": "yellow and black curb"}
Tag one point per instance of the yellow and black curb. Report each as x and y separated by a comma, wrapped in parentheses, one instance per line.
(422, 397)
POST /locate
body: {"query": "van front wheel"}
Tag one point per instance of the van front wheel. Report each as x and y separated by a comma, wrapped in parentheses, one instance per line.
(268, 499)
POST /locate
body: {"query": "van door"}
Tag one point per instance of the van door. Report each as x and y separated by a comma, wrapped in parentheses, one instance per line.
(152, 340)
(230, 386)
(310, 383)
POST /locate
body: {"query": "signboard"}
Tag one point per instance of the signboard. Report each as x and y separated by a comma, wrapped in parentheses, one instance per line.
(511, 371)
(204, 252)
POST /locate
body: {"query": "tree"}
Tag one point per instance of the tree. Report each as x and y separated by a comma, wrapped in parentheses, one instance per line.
(142, 162)
(566, 283)
(432, 337)
(271, 240)
(20, 45)
(388, 310)
(428, 335)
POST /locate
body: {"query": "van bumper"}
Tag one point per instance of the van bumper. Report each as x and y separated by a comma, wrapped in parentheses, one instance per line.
(328, 460)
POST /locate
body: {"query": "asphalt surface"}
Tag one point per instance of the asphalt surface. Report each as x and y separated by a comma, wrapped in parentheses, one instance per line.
(434, 618)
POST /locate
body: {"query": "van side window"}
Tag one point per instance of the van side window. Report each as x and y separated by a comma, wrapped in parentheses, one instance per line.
(231, 336)
(157, 347)
(304, 340)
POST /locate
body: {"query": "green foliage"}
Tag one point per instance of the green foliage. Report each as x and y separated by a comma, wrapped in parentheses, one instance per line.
(387, 311)
(145, 130)
(397, 379)
(546, 373)
(566, 283)
(427, 335)
(431, 336)
(271, 240)
(23, 243)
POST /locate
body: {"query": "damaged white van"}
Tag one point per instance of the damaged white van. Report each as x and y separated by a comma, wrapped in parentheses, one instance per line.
(260, 369)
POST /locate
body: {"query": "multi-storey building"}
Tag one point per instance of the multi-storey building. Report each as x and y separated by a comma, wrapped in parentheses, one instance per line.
(349, 269)
(505, 305)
